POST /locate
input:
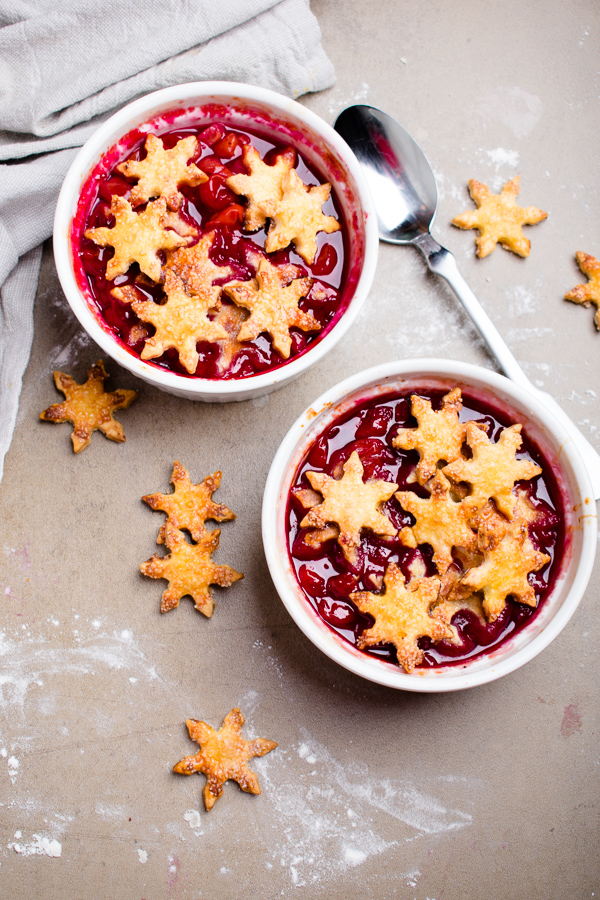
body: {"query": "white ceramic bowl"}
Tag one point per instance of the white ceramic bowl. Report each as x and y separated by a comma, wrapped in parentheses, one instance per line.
(241, 104)
(539, 424)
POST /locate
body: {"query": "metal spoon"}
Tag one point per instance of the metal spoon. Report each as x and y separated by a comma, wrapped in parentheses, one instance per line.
(405, 196)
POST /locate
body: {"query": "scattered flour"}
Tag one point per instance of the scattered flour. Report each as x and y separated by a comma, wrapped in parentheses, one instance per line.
(192, 817)
(13, 765)
(26, 660)
(323, 823)
(38, 846)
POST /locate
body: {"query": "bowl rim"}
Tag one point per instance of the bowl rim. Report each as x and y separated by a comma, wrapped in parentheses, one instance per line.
(138, 112)
(360, 664)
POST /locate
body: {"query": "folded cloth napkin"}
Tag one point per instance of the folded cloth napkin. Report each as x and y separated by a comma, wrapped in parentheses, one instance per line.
(65, 68)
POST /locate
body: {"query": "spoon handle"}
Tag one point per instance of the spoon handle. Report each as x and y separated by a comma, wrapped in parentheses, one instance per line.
(443, 263)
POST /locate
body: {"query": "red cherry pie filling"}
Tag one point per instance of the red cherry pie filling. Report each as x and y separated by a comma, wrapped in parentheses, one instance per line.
(424, 528)
(212, 251)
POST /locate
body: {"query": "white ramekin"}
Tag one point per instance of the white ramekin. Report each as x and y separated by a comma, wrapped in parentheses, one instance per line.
(540, 426)
(318, 142)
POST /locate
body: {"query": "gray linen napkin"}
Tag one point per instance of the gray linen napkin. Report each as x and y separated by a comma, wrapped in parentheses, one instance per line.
(64, 69)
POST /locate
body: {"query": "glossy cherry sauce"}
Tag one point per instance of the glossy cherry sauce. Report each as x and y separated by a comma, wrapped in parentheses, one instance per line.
(327, 578)
(213, 206)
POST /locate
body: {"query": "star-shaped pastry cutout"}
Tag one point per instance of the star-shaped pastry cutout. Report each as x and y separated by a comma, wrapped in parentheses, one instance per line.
(441, 522)
(350, 503)
(136, 237)
(273, 303)
(439, 435)
(504, 572)
(298, 217)
(162, 171)
(590, 292)
(189, 570)
(88, 406)
(403, 614)
(223, 756)
(197, 270)
(498, 218)
(230, 318)
(181, 322)
(190, 505)
(493, 469)
(263, 184)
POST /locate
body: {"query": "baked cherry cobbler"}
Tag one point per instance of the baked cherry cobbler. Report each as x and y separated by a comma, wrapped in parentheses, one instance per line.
(424, 527)
(213, 251)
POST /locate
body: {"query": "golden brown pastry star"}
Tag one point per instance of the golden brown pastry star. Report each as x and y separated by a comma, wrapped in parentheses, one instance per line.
(498, 218)
(590, 292)
(350, 503)
(88, 406)
(223, 756)
(273, 303)
(402, 616)
(190, 505)
(136, 237)
(162, 171)
(189, 570)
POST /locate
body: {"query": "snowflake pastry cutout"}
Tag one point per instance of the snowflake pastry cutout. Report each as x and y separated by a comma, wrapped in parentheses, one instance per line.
(181, 322)
(298, 217)
(273, 303)
(350, 503)
(504, 572)
(136, 237)
(189, 570)
(498, 218)
(439, 435)
(262, 185)
(223, 756)
(403, 614)
(190, 505)
(197, 270)
(493, 469)
(590, 292)
(162, 171)
(440, 522)
(89, 407)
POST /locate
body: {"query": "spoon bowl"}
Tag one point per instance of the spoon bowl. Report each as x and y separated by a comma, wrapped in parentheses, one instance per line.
(405, 197)
(398, 174)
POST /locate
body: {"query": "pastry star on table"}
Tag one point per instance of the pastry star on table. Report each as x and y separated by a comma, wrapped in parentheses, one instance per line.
(351, 503)
(181, 322)
(498, 218)
(273, 303)
(440, 522)
(402, 616)
(298, 217)
(223, 756)
(493, 469)
(162, 171)
(136, 237)
(439, 435)
(590, 292)
(189, 570)
(263, 184)
(190, 505)
(89, 407)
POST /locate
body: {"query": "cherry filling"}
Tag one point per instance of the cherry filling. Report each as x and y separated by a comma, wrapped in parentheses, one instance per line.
(211, 206)
(326, 576)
